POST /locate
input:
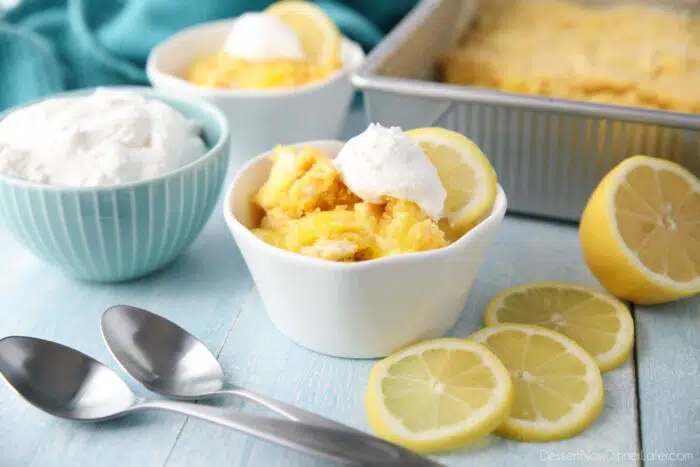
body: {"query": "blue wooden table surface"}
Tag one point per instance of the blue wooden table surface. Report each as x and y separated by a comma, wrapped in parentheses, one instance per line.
(652, 409)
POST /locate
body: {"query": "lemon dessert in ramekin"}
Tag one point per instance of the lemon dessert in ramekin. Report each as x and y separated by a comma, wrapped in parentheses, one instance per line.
(387, 192)
(286, 46)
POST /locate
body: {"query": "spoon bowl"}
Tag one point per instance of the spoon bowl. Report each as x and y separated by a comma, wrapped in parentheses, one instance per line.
(170, 361)
(159, 354)
(61, 381)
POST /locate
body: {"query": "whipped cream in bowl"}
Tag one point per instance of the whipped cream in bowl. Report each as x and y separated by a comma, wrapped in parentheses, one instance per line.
(110, 184)
(105, 138)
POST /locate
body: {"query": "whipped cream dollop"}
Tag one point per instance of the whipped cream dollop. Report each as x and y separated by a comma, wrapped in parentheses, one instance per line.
(104, 138)
(259, 37)
(381, 162)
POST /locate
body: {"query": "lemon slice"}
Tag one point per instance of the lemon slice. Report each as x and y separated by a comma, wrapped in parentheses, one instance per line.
(317, 32)
(438, 395)
(558, 389)
(599, 323)
(640, 231)
(465, 172)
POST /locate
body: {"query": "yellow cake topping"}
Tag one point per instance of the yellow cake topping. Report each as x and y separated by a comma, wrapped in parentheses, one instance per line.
(625, 54)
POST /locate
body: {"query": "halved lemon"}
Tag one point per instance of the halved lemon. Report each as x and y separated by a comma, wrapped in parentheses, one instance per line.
(465, 172)
(558, 389)
(640, 231)
(317, 32)
(598, 322)
(438, 394)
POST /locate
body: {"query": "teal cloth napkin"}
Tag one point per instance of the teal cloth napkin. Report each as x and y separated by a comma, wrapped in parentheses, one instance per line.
(47, 46)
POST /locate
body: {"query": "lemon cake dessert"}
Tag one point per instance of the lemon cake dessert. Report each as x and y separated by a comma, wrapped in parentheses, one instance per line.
(290, 44)
(386, 192)
(623, 54)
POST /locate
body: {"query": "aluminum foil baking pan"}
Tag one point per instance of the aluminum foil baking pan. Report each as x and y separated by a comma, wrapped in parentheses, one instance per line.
(549, 153)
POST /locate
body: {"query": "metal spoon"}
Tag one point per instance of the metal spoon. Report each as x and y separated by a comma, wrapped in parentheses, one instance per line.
(69, 384)
(170, 361)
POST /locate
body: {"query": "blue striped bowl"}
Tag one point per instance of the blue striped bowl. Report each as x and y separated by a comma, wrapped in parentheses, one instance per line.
(121, 232)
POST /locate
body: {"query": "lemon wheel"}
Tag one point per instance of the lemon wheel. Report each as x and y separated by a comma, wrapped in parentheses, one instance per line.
(598, 322)
(558, 388)
(465, 172)
(319, 35)
(438, 395)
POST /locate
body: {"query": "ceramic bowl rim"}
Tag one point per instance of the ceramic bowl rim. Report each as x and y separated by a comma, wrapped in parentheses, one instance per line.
(236, 227)
(147, 91)
(151, 69)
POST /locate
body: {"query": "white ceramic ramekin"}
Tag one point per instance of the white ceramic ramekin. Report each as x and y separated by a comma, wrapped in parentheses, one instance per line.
(356, 310)
(258, 119)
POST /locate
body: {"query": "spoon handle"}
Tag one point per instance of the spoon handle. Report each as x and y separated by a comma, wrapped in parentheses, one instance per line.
(291, 412)
(351, 447)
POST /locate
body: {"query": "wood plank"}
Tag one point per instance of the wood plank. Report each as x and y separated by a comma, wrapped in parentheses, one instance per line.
(668, 361)
(257, 356)
(203, 291)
